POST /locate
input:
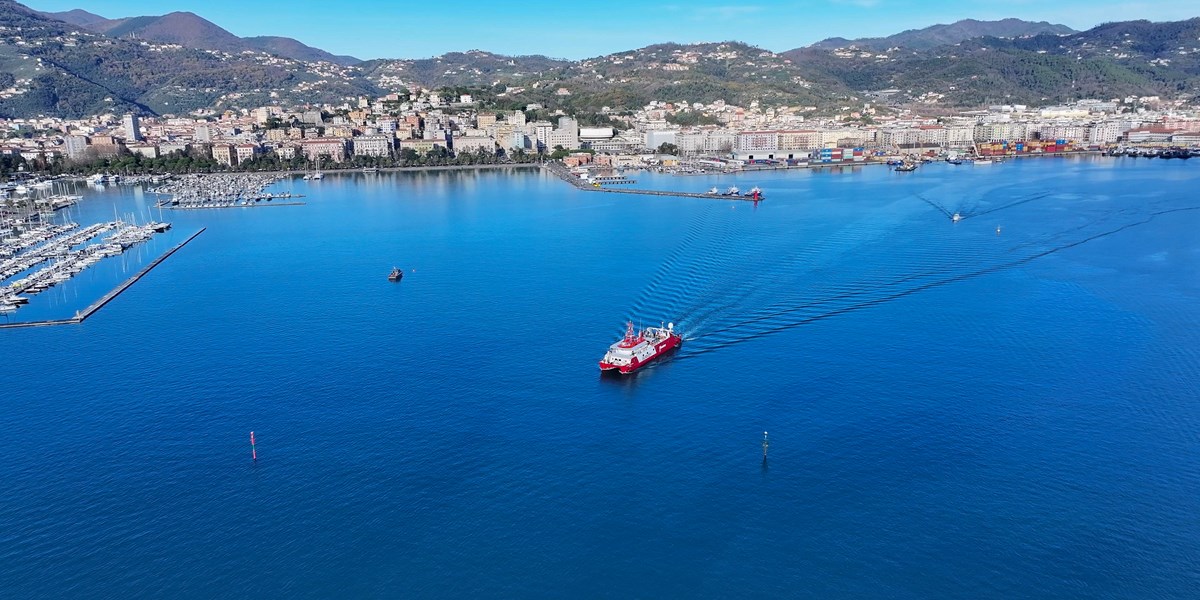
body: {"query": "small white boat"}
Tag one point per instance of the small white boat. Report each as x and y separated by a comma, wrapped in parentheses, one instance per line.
(956, 218)
(7, 308)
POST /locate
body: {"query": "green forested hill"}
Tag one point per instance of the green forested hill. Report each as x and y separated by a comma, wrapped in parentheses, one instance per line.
(59, 70)
(1109, 61)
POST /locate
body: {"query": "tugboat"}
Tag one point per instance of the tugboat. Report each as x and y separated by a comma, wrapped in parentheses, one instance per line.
(907, 167)
(633, 351)
(396, 274)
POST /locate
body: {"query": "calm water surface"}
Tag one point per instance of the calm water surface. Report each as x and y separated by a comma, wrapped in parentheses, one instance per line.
(955, 410)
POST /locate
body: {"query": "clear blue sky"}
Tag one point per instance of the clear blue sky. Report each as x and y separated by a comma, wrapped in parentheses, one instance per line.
(400, 29)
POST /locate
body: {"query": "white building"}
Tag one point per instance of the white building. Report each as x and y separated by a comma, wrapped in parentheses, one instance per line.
(133, 129)
(372, 145)
(1104, 132)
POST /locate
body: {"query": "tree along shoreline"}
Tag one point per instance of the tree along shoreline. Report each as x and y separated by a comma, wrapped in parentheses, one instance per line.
(179, 163)
(347, 170)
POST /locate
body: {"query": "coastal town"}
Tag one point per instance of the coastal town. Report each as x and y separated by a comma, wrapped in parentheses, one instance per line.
(427, 127)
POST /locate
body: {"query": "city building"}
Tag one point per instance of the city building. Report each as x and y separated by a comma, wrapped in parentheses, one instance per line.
(133, 130)
(372, 145)
(224, 154)
(328, 148)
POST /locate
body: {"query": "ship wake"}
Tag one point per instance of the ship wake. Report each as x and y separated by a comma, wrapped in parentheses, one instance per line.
(728, 283)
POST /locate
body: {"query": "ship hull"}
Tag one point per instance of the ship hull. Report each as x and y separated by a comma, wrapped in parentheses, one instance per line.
(663, 347)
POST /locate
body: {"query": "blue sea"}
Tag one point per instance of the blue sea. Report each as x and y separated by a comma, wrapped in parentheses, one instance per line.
(1003, 407)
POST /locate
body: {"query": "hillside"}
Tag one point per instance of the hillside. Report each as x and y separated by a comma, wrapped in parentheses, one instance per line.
(58, 69)
(940, 35)
(732, 71)
(1112, 60)
(193, 31)
(471, 68)
(79, 17)
(55, 68)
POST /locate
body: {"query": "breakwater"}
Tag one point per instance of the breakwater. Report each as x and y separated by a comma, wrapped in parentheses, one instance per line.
(563, 173)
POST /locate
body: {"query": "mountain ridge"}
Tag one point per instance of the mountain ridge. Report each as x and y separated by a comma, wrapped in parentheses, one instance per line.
(193, 31)
(951, 33)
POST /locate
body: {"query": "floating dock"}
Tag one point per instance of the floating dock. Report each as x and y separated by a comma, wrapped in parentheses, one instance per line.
(198, 206)
(82, 315)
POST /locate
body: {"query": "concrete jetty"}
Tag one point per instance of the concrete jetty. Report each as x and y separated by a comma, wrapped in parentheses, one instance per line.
(561, 171)
(82, 315)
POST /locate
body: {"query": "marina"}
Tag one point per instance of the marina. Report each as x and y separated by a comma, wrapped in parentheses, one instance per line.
(92, 308)
(66, 250)
(238, 190)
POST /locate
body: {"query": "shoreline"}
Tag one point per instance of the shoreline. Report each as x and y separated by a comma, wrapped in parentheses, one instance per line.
(292, 172)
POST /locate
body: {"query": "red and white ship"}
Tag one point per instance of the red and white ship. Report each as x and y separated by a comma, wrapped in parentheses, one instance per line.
(630, 353)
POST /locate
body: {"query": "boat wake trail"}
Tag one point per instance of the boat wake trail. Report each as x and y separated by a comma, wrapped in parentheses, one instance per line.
(782, 318)
(728, 282)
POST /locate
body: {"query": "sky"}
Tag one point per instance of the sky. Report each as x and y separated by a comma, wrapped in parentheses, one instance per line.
(403, 29)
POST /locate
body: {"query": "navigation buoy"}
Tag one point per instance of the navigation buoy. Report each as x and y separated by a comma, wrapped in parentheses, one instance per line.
(254, 451)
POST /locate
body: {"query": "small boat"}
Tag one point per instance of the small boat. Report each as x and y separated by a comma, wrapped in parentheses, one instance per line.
(733, 191)
(754, 193)
(16, 300)
(7, 308)
(396, 274)
(713, 191)
(907, 167)
(956, 218)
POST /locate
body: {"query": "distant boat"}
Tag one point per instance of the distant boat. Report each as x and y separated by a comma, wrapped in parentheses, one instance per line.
(907, 167)
(396, 274)
(714, 191)
(956, 218)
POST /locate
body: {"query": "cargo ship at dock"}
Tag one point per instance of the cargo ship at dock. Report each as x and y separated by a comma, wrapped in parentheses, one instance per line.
(636, 350)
